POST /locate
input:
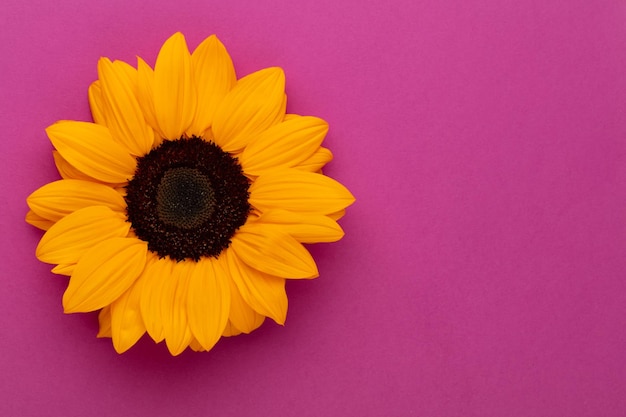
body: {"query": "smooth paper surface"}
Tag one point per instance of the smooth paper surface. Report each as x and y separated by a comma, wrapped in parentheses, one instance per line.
(483, 268)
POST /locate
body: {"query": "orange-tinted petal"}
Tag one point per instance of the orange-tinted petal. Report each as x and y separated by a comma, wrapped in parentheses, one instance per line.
(64, 269)
(231, 330)
(57, 199)
(104, 273)
(241, 316)
(129, 73)
(208, 303)
(91, 149)
(196, 346)
(215, 76)
(145, 96)
(262, 292)
(123, 114)
(316, 161)
(255, 103)
(67, 171)
(36, 220)
(268, 249)
(295, 190)
(290, 116)
(157, 275)
(305, 227)
(68, 240)
(174, 88)
(95, 103)
(126, 322)
(337, 215)
(174, 308)
(284, 145)
(104, 320)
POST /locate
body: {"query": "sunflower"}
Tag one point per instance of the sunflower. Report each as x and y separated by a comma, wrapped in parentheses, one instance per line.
(184, 206)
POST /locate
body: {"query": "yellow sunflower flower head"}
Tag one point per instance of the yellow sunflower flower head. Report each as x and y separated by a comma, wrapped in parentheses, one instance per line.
(184, 206)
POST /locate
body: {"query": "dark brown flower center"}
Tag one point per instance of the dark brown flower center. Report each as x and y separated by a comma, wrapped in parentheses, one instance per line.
(187, 199)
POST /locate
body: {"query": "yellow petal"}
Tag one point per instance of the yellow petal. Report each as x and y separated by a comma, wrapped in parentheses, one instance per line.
(290, 116)
(104, 319)
(196, 346)
(268, 249)
(231, 330)
(145, 96)
(215, 77)
(95, 103)
(284, 145)
(299, 191)
(127, 325)
(208, 304)
(123, 113)
(258, 321)
(242, 317)
(68, 240)
(36, 220)
(64, 269)
(91, 149)
(104, 273)
(263, 292)
(67, 171)
(157, 275)
(305, 227)
(57, 199)
(174, 308)
(255, 103)
(316, 161)
(337, 215)
(174, 88)
(129, 73)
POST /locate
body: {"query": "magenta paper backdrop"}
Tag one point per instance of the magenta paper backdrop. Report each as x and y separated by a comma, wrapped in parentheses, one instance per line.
(483, 269)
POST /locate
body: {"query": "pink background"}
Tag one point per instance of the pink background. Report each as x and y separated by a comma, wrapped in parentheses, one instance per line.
(483, 270)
